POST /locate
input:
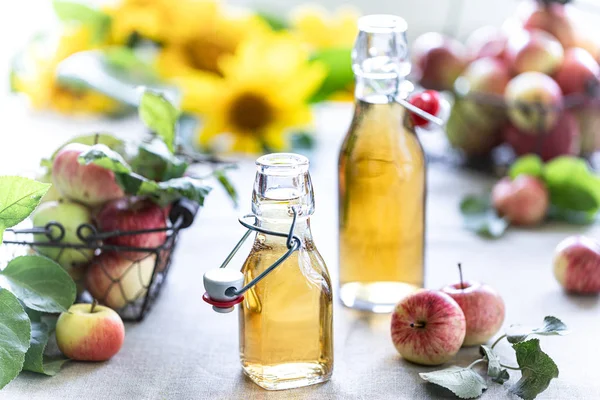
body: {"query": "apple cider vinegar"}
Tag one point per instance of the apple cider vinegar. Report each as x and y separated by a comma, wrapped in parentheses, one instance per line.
(286, 319)
(381, 177)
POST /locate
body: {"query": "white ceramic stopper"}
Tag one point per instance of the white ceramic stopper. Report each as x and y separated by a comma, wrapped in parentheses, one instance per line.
(217, 281)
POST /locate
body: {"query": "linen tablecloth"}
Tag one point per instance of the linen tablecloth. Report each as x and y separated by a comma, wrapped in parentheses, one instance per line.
(184, 350)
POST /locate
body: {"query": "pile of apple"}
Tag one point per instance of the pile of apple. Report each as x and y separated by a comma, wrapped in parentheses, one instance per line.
(430, 326)
(89, 194)
(529, 84)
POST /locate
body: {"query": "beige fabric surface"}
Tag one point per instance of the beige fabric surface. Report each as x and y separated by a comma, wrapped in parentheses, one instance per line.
(184, 350)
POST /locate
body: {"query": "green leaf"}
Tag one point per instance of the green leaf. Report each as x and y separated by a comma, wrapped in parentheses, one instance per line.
(339, 72)
(35, 360)
(40, 283)
(531, 165)
(107, 139)
(167, 192)
(15, 332)
(276, 22)
(463, 382)
(104, 157)
(227, 185)
(70, 11)
(155, 161)
(481, 218)
(159, 115)
(18, 198)
(495, 370)
(126, 59)
(552, 326)
(302, 140)
(537, 370)
(572, 185)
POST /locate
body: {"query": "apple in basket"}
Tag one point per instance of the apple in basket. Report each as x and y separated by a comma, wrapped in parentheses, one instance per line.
(70, 215)
(88, 184)
(439, 60)
(428, 327)
(133, 214)
(524, 201)
(116, 281)
(89, 332)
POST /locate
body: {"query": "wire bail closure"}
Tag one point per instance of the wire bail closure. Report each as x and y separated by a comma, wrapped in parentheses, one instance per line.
(224, 287)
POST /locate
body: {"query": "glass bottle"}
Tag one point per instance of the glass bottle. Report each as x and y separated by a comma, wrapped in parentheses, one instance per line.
(381, 176)
(286, 319)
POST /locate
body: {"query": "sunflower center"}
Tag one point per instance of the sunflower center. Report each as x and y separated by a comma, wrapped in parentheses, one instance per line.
(250, 112)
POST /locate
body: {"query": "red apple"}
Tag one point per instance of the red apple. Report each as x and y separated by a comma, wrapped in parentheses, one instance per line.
(88, 184)
(428, 327)
(563, 139)
(577, 265)
(116, 281)
(528, 91)
(524, 201)
(133, 214)
(554, 19)
(578, 70)
(485, 75)
(439, 60)
(487, 41)
(588, 118)
(533, 50)
(483, 308)
(89, 332)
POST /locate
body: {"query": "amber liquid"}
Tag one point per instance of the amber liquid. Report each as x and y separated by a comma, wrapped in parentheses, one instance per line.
(286, 319)
(382, 209)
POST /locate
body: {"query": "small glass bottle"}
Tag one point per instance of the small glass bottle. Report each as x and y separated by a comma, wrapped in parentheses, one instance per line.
(286, 338)
(381, 176)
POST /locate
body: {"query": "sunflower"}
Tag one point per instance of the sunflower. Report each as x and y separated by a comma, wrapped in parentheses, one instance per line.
(214, 40)
(261, 94)
(36, 74)
(163, 21)
(324, 30)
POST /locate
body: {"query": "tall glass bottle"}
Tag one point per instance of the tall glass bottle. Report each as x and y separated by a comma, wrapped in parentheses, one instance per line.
(286, 338)
(381, 176)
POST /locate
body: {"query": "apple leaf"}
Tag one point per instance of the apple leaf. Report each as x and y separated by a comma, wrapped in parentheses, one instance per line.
(337, 62)
(18, 198)
(40, 283)
(495, 370)
(227, 185)
(537, 369)
(572, 185)
(15, 332)
(104, 157)
(113, 143)
(159, 115)
(35, 359)
(155, 161)
(552, 326)
(531, 165)
(167, 192)
(463, 382)
(480, 217)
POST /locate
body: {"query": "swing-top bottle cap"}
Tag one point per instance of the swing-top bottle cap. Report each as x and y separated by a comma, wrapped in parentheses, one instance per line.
(381, 48)
(217, 282)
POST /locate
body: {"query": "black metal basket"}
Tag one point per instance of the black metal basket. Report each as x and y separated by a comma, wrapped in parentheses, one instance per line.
(145, 269)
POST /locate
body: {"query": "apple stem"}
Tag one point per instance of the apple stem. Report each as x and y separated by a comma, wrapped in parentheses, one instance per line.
(417, 325)
(96, 138)
(475, 363)
(462, 285)
(94, 304)
(498, 340)
(509, 367)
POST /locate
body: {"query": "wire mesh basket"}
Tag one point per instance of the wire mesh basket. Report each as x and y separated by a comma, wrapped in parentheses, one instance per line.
(125, 278)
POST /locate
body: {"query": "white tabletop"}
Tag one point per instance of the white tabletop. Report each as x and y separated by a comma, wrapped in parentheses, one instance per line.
(184, 350)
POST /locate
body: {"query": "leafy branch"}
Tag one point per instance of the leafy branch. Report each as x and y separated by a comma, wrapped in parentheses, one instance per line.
(536, 367)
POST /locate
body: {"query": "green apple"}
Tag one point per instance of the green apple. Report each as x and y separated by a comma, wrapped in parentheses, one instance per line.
(89, 332)
(70, 215)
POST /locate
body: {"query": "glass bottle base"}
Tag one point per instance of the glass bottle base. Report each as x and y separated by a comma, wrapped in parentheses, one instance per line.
(377, 297)
(288, 375)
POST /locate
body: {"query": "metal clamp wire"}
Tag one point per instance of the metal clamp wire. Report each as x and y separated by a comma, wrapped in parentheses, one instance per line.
(293, 243)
